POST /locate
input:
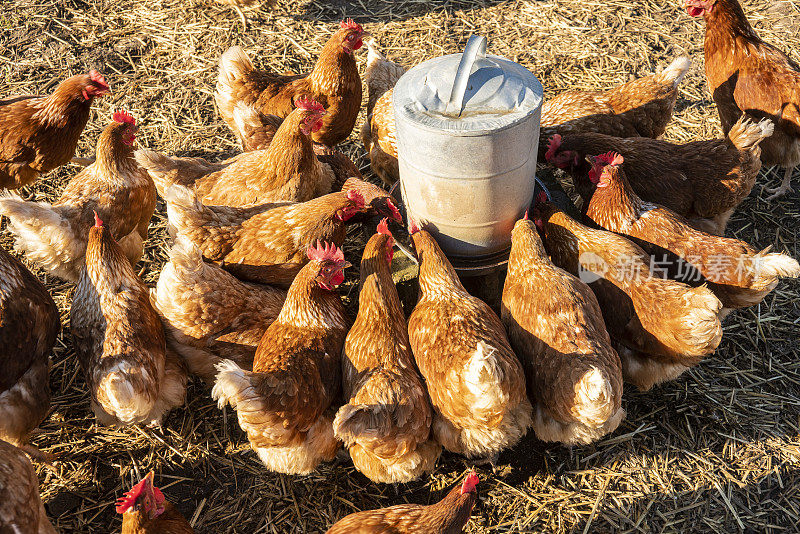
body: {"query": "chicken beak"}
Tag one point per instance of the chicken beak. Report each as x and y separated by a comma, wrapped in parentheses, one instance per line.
(365, 34)
(345, 264)
(590, 160)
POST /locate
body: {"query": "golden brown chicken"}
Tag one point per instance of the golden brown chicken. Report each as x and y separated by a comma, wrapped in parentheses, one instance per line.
(119, 339)
(641, 108)
(115, 186)
(556, 327)
(145, 510)
(258, 131)
(701, 180)
(21, 508)
(378, 131)
(287, 170)
(334, 82)
(738, 275)
(283, 403)
(661, 327)
(745, 74)
(209, 315)
(40, 133)
(266, 243)
(475, 382)
(387, 419)
(448, 516)
(29, 325)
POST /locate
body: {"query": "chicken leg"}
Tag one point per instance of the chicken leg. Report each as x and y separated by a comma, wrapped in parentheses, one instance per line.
(785, 187)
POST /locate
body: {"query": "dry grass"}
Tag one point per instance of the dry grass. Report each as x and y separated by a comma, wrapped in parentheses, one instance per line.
(716, 451)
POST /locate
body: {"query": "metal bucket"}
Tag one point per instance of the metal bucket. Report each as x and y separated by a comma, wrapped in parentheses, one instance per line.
(467, 137)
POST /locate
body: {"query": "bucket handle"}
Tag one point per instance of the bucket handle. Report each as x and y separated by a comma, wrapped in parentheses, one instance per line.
(476, 48)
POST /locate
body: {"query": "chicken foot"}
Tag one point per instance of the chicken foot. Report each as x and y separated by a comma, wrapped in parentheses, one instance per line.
(785, 187)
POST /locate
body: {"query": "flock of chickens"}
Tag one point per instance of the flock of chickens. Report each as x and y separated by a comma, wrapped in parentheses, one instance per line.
(248, 300)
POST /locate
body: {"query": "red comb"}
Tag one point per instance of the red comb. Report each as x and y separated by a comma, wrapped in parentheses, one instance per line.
(97, 222)
(610, 158)
(350, 24)
(395, 212)
(356, 197)
(97, 78)
(383, 227)
(325, 251)
(123, 117)
(469, 483)
(309, 104)
(124, 503)
(555, 143)
(525, 217)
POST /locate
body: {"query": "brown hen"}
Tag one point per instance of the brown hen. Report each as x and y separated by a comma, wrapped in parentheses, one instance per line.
(641, 108)
(119, 339)
(556, 326)
(258, 131)
(745, 74)
(287, 170)
(738, 275)
(283, 403)
(21, 508)
(40, 133)
(266, 243)
(114, 186)
(145, 510)
(701, 180)
(387, 419)
(209, 315)
(29, 325)
(448, 516)
(475, 382)
(334, 82)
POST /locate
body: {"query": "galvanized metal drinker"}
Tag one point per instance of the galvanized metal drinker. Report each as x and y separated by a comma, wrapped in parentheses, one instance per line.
(467, 137)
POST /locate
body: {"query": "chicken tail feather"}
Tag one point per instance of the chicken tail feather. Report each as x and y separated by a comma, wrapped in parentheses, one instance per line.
(699, 330)
(594, 398)
(675, 71)
(358, 421)
(184, 209)
(746, 134)
(768, 267)
(160, 167)
(231, 384)
(234, 65)
(43, 234)
(373, 54)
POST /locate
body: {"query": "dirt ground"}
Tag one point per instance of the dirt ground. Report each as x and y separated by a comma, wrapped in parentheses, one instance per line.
(716, 451)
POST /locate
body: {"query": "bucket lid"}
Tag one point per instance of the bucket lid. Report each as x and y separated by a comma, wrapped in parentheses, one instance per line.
(467, 93)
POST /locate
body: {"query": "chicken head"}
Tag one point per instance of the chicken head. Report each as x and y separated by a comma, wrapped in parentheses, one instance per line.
(128, 128)
(312, 121)
(331, 264)
(95, 85)
(563, 159)
(352, 35)
(383, 228)
(144, 497)
(698, 8)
